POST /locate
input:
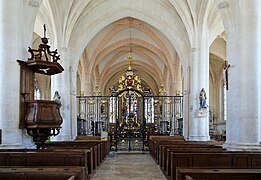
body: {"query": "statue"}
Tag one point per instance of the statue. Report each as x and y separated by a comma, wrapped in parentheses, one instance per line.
(203, 98)
(57, 97)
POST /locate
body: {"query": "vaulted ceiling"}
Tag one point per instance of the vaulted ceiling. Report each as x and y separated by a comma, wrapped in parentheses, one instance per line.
(99, 35)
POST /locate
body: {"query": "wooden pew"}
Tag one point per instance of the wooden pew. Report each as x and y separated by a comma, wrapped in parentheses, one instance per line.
(154, 150)
(154, 138)
(210, 173)
(43, 173)
(244, 160)
(166, 168)
(102, 145)
(98, 148)
(153, 142)
(163, 149)
(47, 159)
(89, 153)
(105, 146)
(101, 149)
(162, 154)
(159, 144)
(90, 158)
(87, 138)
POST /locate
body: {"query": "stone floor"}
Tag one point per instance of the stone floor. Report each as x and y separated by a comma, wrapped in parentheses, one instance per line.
(125, 166)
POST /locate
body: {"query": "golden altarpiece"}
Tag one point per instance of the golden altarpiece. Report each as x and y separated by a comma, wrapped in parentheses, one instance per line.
(130, 114)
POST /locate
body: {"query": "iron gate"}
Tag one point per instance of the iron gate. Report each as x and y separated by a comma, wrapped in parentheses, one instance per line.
(129, 121)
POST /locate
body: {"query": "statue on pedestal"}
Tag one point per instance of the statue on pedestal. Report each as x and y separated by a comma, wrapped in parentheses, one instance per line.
(203, 98)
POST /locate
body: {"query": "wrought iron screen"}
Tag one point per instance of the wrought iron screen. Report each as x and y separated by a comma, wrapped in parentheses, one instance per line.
(130, 119)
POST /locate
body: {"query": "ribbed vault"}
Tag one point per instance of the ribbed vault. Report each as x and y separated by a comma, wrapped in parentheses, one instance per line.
(96, 36)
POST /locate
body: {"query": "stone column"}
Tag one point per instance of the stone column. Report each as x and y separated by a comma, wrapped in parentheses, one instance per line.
(16, 30)
(176, 85)
(87, 88)
(244, 75)
(186, 100)
(73, 104)
(199, 78)
(61, 83)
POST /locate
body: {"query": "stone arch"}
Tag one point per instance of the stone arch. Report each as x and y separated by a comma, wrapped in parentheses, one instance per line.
(167, 26)
(134, 23)
(108, 65)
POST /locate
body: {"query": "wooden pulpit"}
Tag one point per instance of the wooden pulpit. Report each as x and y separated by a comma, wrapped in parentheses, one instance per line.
(41, 118)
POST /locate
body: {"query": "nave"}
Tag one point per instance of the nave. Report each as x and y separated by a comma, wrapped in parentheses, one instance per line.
(125, 165)
(126, 71)
(169, 157)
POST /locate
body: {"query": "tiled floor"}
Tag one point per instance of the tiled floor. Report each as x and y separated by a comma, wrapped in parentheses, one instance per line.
(125, 166)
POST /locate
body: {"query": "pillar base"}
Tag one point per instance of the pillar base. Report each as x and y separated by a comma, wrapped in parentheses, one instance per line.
(242, 146)
(199, 138)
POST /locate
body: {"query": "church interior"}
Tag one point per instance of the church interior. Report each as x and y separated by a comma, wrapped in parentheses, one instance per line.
(134, 89)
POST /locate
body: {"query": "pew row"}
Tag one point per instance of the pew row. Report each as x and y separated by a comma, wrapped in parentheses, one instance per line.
(172, 154)
(42, 173)
(79, 158)
(166, 167)
(244, 160)
(88, 154)
(165, 147)
(210, 173)
(155, 145)
(163, 150)
(103, 147)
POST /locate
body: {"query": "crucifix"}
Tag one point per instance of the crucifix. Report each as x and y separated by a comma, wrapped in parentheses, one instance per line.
(226, 73)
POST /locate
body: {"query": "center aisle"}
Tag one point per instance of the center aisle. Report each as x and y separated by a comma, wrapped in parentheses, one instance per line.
(124, 166)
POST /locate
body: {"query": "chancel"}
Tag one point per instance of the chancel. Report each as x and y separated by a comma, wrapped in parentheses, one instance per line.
(169, 89)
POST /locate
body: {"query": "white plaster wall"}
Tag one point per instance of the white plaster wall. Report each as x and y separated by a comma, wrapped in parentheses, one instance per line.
(17, 20)
(218, 47)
